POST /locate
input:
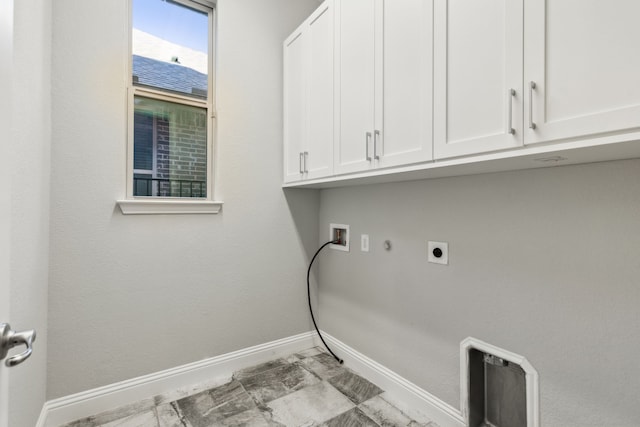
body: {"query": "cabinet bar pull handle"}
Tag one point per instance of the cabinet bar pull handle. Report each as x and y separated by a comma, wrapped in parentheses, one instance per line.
(532, 86)
(306, 158)
(301, 160)
(366, 141)
(510, 128)
(376, 134)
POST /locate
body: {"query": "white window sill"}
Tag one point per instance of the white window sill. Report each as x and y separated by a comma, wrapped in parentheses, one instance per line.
(168, 206)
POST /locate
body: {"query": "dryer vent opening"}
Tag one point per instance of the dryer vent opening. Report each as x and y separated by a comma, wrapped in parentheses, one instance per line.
(501, 387)
(497, 395)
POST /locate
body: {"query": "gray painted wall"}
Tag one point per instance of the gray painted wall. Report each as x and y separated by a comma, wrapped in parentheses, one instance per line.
(29, 156)
(131, 295)
(544, 263)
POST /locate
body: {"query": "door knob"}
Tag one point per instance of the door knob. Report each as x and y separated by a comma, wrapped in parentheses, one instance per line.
(10, 339)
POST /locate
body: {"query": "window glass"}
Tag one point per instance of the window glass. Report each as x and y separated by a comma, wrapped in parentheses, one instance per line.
(170, 45)
(143, 137)
(170, 95)
(170, 149)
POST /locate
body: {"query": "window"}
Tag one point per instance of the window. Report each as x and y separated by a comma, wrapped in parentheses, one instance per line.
(171, 101)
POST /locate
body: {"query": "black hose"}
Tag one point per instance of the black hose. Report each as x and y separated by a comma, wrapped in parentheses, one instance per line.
(309, 297)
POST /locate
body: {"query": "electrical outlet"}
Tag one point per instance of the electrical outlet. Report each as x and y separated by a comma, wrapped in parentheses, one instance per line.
(339, 233)
(364, 243)
(438, 252)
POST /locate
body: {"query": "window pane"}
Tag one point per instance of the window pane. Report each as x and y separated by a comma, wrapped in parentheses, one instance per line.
(170, 47)
(175, 135)
(143, 135)
(143, 185)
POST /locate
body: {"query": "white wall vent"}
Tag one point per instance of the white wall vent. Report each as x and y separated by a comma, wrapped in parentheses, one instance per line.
(498, 388)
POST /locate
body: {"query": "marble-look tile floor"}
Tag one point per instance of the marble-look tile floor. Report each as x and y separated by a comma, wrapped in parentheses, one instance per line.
(306, 389)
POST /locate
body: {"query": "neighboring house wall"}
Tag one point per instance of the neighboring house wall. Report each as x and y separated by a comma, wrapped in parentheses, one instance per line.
(182, 147)
(163, 144)
(173, 150)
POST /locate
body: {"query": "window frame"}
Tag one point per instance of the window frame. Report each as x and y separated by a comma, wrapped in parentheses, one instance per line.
(167, 205)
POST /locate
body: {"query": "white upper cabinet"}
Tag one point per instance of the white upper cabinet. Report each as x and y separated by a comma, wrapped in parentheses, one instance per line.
(476, 85)
(320, 93)
(583, 57)
(384, 51)
(355, 84)
(294, 106)
(478, 57)
(404, 117)
(308, 98)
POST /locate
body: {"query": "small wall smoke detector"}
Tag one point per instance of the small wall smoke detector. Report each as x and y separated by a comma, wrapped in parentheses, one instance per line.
(339, 233)
(438, 252)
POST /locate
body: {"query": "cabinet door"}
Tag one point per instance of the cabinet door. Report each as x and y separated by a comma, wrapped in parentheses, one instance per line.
(355, 62)
(320, 92)
(583, 57)
(478, 48)
(294, 105)
(404, 115)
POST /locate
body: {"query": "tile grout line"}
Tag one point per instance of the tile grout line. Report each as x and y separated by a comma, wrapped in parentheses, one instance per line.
(255, 402)
(174, 406)
(323, 373)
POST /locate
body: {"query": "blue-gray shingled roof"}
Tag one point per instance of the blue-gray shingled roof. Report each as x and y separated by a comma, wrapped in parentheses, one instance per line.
(165, 75)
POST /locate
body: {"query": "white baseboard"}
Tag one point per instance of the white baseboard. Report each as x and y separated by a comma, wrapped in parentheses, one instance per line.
(411, 399)
(42, 419)
(182, 379)
(193, 377)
